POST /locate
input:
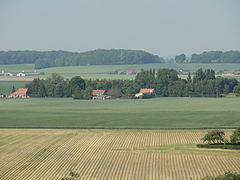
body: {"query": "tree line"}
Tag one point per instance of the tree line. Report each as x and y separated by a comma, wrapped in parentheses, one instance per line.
(165, 82)
(210, 57)
(45, 59)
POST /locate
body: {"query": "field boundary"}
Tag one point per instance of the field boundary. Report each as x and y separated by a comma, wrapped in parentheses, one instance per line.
(96, 128)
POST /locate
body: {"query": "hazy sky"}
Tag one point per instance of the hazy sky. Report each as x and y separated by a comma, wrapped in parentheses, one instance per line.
(165, 28)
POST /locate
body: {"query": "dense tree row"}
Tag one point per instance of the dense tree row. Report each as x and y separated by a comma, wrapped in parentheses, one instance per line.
(211, 57)
(64, 58)
(30, 57)
(204, 83)
(165, 82)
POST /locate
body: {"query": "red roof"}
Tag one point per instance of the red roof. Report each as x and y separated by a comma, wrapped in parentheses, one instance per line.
(21, 91)
(146, 90)
(98, 92)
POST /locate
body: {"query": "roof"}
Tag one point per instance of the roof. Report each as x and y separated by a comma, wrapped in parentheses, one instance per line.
(21, 91)
(146, 91)
(98, 92)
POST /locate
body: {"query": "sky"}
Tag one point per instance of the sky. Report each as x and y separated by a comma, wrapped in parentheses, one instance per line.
(162, 27)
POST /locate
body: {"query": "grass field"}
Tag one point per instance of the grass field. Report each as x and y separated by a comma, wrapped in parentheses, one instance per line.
(110, 154)
(150, 113)
(102, 72)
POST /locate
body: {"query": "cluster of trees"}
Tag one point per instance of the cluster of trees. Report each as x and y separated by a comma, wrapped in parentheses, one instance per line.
(76, 87)
(101, 57)
(165, 82)
(211, 57)
(47, 59)
(218, 137)
(30, 57)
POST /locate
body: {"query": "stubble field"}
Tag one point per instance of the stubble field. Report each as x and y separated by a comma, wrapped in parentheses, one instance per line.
(110, 154)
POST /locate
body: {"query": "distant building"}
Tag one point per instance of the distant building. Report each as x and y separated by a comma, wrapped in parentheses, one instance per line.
(231, 72)
(144, 91)
(99, 94)
(20, 93)
(21, 74)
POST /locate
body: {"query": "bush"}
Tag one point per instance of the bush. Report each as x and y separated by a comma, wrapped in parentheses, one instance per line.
(226, 176)
(219, 146)
(235, 137)
(82, 95)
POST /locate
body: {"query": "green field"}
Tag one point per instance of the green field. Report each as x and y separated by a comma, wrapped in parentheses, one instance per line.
(151, 113)
(102, 71)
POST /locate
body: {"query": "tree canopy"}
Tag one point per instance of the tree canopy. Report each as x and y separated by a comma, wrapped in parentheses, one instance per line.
(216, 57)
(45, 59)
(165, 82)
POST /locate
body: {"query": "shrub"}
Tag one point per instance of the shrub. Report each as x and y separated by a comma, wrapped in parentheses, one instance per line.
(226, 176)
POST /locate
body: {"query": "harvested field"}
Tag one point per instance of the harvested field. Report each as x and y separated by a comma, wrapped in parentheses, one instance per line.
(110, 154)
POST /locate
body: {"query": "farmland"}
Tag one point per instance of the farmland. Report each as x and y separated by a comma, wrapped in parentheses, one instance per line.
(128, 113)
(110, 154)
(96, 72)
(102, 71)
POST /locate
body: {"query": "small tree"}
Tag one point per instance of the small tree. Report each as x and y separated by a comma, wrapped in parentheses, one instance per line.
(84, 94)
(235, 137)
(215, 136)
(13, 89)
(72, 176)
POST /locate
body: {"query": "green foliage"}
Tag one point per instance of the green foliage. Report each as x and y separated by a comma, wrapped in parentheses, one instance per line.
(100, 57)
(72, 176)
(180, 58)
(30, 57)
(165, 82)
(216, 57)
(236, 90)
(146, 79)
(115, 92)
(226, 176)
(83, 94)
(13, 89)
(219, 146)
(214, 136)
(77, 84)
(235, 137)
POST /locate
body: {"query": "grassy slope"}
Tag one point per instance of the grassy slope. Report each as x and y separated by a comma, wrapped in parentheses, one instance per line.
(154, 113)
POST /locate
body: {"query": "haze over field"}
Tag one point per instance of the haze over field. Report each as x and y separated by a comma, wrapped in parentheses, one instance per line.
(165, 28)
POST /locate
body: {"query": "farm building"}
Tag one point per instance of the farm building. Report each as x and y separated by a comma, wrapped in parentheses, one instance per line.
(144, 91)
(231, 72)
(20, 93)
(99, 94)
(19, 74)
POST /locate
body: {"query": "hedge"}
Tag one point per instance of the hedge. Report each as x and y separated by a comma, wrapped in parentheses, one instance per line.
(220, 146)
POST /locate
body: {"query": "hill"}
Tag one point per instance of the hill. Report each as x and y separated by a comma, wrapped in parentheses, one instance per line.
(47, 59)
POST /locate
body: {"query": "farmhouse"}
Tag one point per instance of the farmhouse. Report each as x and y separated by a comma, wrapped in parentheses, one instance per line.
(99, 94)
(20, 93)
(144, 91)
